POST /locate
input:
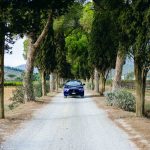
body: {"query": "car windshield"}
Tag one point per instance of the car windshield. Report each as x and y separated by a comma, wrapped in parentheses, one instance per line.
(73, 83)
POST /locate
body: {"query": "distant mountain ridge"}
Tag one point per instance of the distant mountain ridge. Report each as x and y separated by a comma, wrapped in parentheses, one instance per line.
(18, 70)
(21, 67)
(12, 73)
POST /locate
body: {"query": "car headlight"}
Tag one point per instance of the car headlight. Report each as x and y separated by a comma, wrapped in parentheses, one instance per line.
(81, 89)
(66, 90)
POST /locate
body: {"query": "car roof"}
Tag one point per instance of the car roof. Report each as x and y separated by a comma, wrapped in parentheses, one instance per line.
(73, 80)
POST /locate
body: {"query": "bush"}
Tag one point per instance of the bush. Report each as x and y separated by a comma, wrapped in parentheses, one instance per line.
(121, 99)
(17, 98)
(37, 86)
(13, 83)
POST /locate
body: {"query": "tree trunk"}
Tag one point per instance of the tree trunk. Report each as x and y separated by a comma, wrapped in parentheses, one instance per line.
(86, 83)
(118, 71)
(57, 82)
(92, 83)
(96, 81)
(28, 86)
(139, 89)
(102, 83)
(2, 42)
(43, 80)
(51, 82)
(144, 76)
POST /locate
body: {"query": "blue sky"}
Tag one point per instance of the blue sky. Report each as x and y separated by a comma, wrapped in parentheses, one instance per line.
(16, 58)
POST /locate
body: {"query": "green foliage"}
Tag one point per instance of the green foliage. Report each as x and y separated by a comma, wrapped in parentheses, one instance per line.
(86, 19)
(17, 98)
(37, 86)
(109, 82)
(13, 83)
(77, 45)
(103, 47)
(63, 67)
(26, 47)
(11, 75)
(18, 79)
(130, 76)
(36, 77)
(45, 59)
(135, 25)
(77, 42)
(121, 99)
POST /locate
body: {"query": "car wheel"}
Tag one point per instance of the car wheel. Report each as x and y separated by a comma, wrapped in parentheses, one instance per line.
(82, 96)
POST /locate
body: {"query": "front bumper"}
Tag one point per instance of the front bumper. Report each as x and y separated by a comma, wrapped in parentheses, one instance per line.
(68, 92)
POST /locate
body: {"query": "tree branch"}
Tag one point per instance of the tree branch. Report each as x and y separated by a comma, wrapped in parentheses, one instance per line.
(44, 32)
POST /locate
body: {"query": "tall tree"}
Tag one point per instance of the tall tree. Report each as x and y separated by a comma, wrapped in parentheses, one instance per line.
(53, 8)
(8, 28)
(45, 59)
(135, 22)
(102, 52)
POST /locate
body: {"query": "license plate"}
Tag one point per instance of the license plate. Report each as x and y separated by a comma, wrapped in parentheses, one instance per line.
(73, 92)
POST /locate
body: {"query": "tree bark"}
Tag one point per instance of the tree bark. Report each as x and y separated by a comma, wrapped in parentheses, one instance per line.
(96, 81)
(28, 86)
(51, 82)
(102, 83)
(57, 82)
(43, 79)
(92, 83)
(2, 42)
(144, 76)
(86, 83)
(140, 92)
(118, 71)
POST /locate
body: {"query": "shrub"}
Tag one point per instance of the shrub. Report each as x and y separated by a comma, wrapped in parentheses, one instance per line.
(37, 86)
(13, 83)
(110, 98)
(121, 99)
(17, 98)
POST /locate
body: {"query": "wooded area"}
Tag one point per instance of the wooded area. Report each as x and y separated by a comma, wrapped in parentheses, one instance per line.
(78, 39)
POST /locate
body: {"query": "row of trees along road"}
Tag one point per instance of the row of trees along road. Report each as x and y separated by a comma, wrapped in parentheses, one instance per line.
(26, 18)
(78, 40)
(132, 20)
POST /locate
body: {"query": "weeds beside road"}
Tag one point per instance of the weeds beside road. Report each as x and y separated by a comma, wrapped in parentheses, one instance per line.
(22, 113)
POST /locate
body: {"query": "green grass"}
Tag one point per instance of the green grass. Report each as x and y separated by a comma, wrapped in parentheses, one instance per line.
(13, 83)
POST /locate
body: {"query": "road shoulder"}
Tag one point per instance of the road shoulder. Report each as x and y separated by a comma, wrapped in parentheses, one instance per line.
(138, 129)
(21, 114)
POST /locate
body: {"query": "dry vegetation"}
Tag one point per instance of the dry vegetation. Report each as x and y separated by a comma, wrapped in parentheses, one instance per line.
(7, 94)
(15, 117)
(137, 128)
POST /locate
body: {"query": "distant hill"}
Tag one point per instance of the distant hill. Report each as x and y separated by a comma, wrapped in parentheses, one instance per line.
(128, 67)
(12, 73)
(23, 66)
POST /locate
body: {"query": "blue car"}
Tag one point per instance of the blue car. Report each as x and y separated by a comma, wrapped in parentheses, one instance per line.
(74, 87)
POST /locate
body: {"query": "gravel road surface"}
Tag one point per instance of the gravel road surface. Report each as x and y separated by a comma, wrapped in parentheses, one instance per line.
(69, 124)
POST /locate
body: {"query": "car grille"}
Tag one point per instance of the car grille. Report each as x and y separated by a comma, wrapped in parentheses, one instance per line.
(71, 91)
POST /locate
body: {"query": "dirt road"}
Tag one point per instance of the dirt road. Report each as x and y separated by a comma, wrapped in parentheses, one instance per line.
(69, 124)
